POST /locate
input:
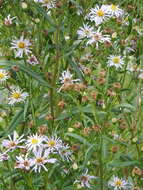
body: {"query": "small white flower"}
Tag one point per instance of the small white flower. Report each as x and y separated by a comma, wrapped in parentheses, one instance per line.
(49, 4)
(3, 75)
(14, 142)
(85, 31)
(65, 153)
(67, 78)
(4, 156)
(53, 143)
(97, 37)
(23, 162)
(40, 159)
(8, 20)
(21, 46)
(115, 11)
(99, 14)
(32, 60)
(118, 183)
(85, 179)
(34, 141)
(17, 95)
(115, 60)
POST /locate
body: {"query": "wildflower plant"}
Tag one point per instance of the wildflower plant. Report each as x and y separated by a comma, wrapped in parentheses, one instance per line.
(71, 105)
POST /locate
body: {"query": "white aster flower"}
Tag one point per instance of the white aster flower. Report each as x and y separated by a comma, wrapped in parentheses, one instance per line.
(21, 46)
(118, 183)
(53, 143)
(34, 141)
(85, 179)
(17, 95)
(8, 20)
(4, 156)
(98, 14)
(97, 37)
(48, 3)
(65, 153)
(132, 67)
(32, 60)
(67, 79)
(115, 60)
(85, 31)
(3, 75)
(40, 159)
(22, 162)
(115, 11)
(13, 143)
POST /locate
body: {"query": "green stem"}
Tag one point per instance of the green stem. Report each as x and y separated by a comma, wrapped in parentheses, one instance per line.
(101, 161)
(55, 75)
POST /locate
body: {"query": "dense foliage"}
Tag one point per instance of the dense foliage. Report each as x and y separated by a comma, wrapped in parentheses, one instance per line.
(71, 105)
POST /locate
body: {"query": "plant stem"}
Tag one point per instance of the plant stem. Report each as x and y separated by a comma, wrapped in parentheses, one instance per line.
(101, 161)
(55, 75)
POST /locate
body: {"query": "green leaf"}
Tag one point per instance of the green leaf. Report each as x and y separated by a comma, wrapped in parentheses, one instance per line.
(34, 75)
(26, 70)
(124, 106)
(15, 122)
(44, 13)
(79, 138)
(123, 164)
(74, 65)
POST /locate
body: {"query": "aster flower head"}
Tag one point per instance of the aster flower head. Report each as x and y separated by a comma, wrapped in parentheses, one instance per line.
(4, 156)
(97, 37)
(13, 142)
(115, 11)
(85, 31)
(22, 162)
(85, 179)
(17, 95)
(32, 60)
(65, 153)
(3, 75)
(116, 61)
(8, 20)
(53, 144)
(49, 4)
(119, 183)
(98, 14)
(67, 77)
(41, 157)
(34, 142)
(21, 46)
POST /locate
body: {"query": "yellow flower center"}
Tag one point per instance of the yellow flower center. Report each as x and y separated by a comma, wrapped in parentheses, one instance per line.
(51, 143)
(100, 13)
(46, 1)
(12, 144)
(118, 183)
(2, 75)
(113, 7)
(34, 141)
(116, 60)
(21, 45)
(39, 160)
(16, 95)
(87, 32)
